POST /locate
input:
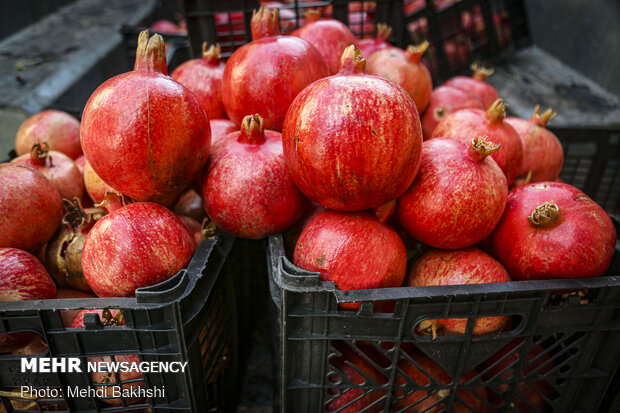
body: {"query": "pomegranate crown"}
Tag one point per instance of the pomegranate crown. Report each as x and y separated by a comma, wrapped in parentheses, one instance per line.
(383, 32)
(312, 15)
(264, 23)
(414, 52)
(545, 215)
(481, 72)
(150, 54)
(352, 61)
(481, 147)
(541, 119)
(252, 130)
(496, 112)
(213, 54)
(39, 152)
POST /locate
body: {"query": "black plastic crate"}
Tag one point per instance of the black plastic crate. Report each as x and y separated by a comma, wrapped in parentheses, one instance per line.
(189, 318)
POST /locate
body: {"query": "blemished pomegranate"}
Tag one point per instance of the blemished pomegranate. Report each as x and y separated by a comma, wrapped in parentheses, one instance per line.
(60, 130)
(352, 141)
(30, 207)
(190, 205)
(248, 190)
(204, 77)
(22, 277)
(466, 123)
(445, 100)
(287, 65)
(476, 85)
(138, 245)
(221, 128)
(543, 155)
(57, 167)
(68, 293)
(339, 244)
(330, 37)
(369, 46)
(166, 133)
(404, 69)
(459, 195)
(112, 318)
(466, 266)
(553, 230)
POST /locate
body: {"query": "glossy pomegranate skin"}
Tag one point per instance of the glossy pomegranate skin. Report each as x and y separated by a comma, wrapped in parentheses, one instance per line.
(403, 67)
(352, 141)
(60, 170)
(30, 207)
(22, 277)
(138, 245)
(580, 243)
(380, 42)
(466, 266)
(60, 130)
(466, 123)
(287, 65)
(68, 293)
(248, 190)
(354, 250)
(220, 128)
(160, 150)
(542, 151)
(443, 101)
(204, 77)
(330, 37)
(485, 92)
(457, 198)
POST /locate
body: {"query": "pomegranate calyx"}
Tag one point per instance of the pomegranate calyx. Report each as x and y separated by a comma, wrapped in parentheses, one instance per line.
(545, 215)
(383, 32)
(264, 23)
(428, 328)
(39, 152)
(481, 72)
(75, 217)
(414, 52)
(213, 54)
(497, 112)
(113, 200)
(352, 61)
(252, 131)
(108, 320)
(541, 119)
(150, 54)
(481, 147)
(440, 112)
(208, 229)
(312, 15)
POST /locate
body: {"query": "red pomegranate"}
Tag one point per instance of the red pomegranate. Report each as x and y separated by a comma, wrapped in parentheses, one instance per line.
(247, 189)
(36, 346)
(57, 167)
(22, 277)
(467, 266)
(404, 69)
(369, 46)
(60, 130)
(95, 186)
(166, 134)
(330, 37)
(67, 293)
(30, 207)
(458, 196)
(80, 163)
(287, 65)
(221, 128)
(466, 123)
(553, 230)
(292, 234)
(190, 205)
(430, 374)
(139, 245)
(113, 318)
(542, 151)
(164, 26)
(385, 211)
(193, 227)
(352, 141)
(204, 78)
(444, 101)
(476, 85)
(354, 250)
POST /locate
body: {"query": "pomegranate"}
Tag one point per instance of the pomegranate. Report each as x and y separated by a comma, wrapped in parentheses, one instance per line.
(286, 16)
(354, 250)
(138, 245)
(64, 250)
(385, 211)
(369, 46)
(476, 85)
(467, 266)
(57, 167)
(221, 128)
(30, 207)
(404, 69)
(165, 26)
(190, 205)
(292, 234)
(329, 36)
(60, 130)
(553, 230)
(36, 346)
(458, 196)
(166, 134)
(466, 123)
(352, 141)
(22, 277)
(444, 101)
(95, 186)
(542, 151)
(204, 78)
(113, 318)
(67, 293)
(193, 227)
(80, 163)
(287, 65)
(247, 189)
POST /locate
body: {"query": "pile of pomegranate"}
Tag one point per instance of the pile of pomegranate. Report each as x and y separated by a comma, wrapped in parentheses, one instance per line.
(354, 157)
